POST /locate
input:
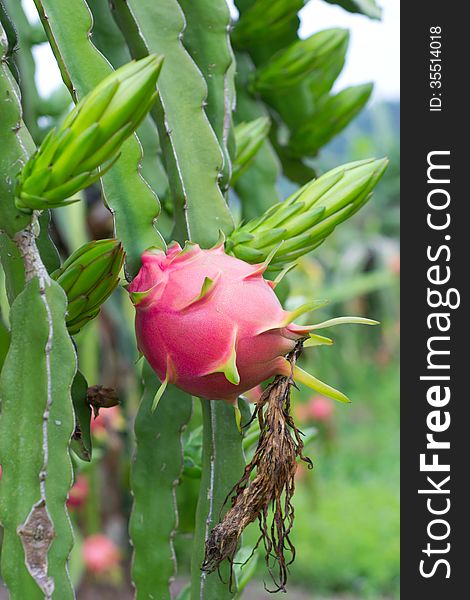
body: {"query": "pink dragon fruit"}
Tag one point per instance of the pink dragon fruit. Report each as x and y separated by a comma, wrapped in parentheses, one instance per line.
(211, 324)
(100, 554)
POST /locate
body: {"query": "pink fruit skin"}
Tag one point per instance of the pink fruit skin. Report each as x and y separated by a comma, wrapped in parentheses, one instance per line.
(187, 339)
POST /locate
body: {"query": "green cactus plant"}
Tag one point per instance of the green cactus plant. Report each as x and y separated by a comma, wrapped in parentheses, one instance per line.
(205, 119)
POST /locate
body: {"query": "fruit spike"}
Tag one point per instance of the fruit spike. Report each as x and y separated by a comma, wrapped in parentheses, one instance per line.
(261, 268)
(229, 367)
(317, 340)
(280, 276)
(210, 324)
(159, 393)
(220, 243)
(170, 377)
(207, 289)
(238, 417)
(138, 297)
(301, 376)
(304, 308)
(318, 386)
(305, 329)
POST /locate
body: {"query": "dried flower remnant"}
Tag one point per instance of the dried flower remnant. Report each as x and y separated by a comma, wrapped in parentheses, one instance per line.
(99, 396)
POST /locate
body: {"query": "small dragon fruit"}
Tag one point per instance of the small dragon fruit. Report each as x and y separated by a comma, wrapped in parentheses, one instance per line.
(210, 324)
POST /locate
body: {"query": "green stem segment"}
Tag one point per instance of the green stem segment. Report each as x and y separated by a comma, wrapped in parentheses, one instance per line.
(206, 37)
(35, 428)
(15, 142)
(193, 162)
(155, 473)
(36, 419)
(222, 465)
(26, 66)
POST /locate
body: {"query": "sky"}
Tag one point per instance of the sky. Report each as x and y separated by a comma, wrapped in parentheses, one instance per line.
(374, 52)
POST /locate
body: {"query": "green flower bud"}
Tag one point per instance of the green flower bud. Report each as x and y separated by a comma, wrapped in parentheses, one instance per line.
(294, 63)
(331, 116)
(90, 137)
(88, 277)
(292, 228)
(321, 80)
(265, 19)
(249, 138)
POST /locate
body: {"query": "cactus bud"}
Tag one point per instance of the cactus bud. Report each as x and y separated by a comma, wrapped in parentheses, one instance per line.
(331, 116)
(321, 80)
(90, 137)
(265, 19)
(292, 64)
(249, 139)
(296, 226)
(88, 277)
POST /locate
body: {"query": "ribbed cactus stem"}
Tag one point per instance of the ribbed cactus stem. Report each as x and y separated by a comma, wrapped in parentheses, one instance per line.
(222, 464)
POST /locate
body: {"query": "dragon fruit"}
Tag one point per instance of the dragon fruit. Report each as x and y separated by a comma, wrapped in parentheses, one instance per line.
(210, 324)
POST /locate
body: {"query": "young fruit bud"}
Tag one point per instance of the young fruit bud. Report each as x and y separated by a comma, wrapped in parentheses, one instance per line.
(249, 138)
(292, 228)
(213, 326)
(321, 80)
(331, 116)
(90, 137)
(265, 20)
(294, 63)
(88, 277)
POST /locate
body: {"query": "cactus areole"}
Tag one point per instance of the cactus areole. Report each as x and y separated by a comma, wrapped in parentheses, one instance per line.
(210, 323)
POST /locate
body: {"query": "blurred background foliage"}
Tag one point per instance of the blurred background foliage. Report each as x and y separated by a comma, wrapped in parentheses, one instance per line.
(347, 513)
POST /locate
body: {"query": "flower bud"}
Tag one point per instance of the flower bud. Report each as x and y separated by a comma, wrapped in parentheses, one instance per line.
(249, 139)
(331, 116)
(292, 228)
(90, 137)
(294, 64)
(265, 20)
(88, 277)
